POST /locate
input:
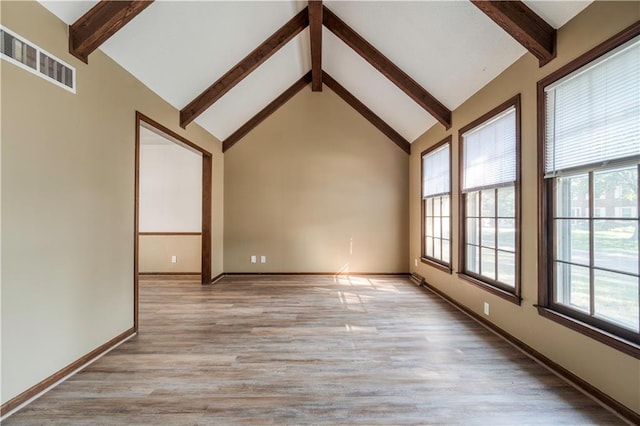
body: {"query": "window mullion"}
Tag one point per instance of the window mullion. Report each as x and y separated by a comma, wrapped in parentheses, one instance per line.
(432, 217)
(591, 253)
(479, 247)
(495, 233)
(464, 230)
(441, 228)
(433, 234)
(568, 243)
(424, 227)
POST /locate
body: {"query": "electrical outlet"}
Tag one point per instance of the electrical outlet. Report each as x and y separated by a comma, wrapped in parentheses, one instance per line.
(254, 259)
(486, 308)
(263, 259)
(174, 259)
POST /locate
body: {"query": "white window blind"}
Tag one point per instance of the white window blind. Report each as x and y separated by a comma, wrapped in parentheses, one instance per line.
(490, 152)
(593, 114)
(435, 172)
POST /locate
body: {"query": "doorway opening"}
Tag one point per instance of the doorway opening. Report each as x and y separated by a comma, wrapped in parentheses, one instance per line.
(172, 221)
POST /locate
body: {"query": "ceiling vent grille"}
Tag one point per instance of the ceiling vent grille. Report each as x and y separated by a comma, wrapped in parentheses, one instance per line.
(21, 52)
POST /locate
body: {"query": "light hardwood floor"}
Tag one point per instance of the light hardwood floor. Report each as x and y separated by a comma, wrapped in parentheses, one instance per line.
(309, 350)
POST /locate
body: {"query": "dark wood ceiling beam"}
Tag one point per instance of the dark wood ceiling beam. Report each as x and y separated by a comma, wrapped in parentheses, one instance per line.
(252, 61)
(101, 22)
(386, 67)
(266, 112)
(524, 25)
(371, 116)
(315, 33)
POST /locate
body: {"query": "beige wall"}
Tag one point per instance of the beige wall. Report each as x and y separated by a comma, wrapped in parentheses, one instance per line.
(68, 202)
(609, 370)
(155, 251)
(316, 188)
(170, 200)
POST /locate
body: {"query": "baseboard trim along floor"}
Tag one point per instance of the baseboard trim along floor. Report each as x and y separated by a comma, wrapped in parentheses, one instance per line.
(34, 392)
(606, 401)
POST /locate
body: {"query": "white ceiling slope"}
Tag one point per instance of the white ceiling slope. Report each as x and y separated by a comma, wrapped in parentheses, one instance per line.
(179, 48)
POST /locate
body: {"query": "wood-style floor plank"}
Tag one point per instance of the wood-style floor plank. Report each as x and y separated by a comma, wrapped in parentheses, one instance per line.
(309, 350)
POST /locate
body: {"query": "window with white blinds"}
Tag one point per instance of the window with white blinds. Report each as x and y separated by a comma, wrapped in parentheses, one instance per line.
(436, 205)
(436, 175)
(489, 156)
(593, 114)
(489, 243)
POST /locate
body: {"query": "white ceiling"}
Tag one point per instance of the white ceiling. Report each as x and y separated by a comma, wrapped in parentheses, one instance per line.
(179, 48)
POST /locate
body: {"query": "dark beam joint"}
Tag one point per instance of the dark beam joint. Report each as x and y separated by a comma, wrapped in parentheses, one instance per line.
(252, 61)
(371, 116)
(524, 25)
(315, 30)
(266, 112)
(387, 68)
(101, 22)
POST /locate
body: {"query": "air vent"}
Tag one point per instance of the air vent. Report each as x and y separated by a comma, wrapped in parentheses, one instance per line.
(417, 278)
(21, 52)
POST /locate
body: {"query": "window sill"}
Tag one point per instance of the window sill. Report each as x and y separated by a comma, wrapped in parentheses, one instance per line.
(445, 268)
(511, 297)
(601, 336)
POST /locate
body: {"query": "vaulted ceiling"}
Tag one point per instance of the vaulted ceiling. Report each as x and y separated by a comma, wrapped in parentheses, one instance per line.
(450, 48)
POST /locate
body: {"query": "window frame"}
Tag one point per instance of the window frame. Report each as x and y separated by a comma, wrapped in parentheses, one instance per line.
(599, 330)
(437, 263)
(492, 286)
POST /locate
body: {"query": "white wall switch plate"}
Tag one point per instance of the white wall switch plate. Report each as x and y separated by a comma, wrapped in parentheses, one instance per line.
(416, 262)
(174, 259)
(486, 308)
(254, 259)
(263, 259)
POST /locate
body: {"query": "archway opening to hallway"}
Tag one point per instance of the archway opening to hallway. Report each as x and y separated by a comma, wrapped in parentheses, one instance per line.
(173, 192)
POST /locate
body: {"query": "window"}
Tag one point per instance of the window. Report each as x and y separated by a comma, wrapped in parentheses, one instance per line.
(26, 55)
(489, 254)
(436, 205)
(590, 111)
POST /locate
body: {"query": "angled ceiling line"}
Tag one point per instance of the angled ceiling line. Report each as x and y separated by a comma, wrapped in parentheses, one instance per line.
(266, 112)
(524, 25)
(101, 22)
(339, 90)
(315, 35)
(369, 115)
(387, 68)
(243, 68)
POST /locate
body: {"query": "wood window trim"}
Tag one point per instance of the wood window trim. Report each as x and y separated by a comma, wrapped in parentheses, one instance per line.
(445, 267)
(480, 282)
(486, 284)
(545, 191)
(436, 263)
(596, 333)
